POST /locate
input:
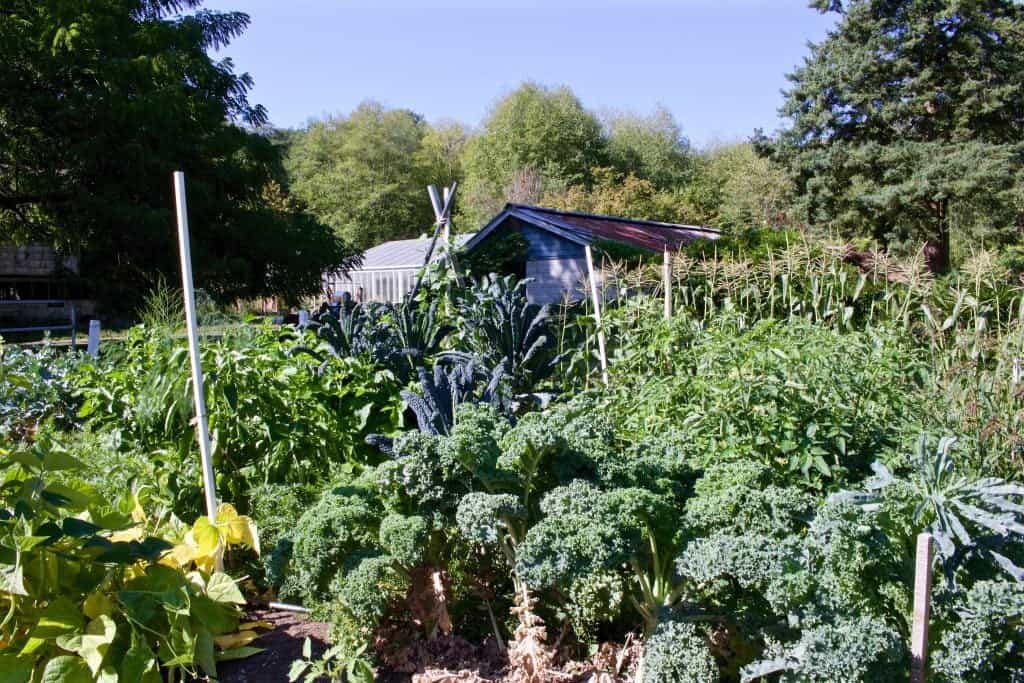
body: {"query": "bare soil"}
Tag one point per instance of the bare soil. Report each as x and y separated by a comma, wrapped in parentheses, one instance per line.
(447, 659)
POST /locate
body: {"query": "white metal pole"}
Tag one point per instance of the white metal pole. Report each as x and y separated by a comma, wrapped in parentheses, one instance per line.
(597, 314)
(209, 487)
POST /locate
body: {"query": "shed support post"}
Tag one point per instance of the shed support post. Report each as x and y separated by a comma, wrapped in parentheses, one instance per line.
(667, 281)
(597, 314)
(74, 327)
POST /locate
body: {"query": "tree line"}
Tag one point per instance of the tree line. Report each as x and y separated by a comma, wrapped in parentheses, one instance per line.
(365, 173)
(905, 125)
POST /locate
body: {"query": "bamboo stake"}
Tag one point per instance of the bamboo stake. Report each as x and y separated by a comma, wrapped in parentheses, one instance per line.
(597, 314)
(199, 396)
(922, 607)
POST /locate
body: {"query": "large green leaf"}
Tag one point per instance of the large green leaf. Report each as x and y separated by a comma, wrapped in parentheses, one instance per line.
(14, 669)
(66, 669)
(92, 646)
(222, 588)
(139, 664)
(61, 617)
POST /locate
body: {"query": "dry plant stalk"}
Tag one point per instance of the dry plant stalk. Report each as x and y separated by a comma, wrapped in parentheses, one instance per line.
(529, 655)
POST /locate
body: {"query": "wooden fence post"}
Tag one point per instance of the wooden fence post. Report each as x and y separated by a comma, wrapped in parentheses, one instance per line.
(93, 346)
(922, 607)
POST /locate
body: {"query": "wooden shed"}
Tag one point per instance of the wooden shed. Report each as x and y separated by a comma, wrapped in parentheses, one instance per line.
(553, 244)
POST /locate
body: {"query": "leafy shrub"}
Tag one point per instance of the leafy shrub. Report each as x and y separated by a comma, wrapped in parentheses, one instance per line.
(273, 417)
(799, 399)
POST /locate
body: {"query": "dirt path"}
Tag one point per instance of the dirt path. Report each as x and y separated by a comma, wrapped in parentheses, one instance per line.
(282, 646)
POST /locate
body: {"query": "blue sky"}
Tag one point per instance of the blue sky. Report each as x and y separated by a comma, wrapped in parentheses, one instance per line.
(718, 65)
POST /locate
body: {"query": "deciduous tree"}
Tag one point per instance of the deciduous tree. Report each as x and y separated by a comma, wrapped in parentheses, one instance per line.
(364, 175)
(100, 100)
(546, 130)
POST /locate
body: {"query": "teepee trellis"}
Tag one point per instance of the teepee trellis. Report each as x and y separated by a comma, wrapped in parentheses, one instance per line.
(442, 229)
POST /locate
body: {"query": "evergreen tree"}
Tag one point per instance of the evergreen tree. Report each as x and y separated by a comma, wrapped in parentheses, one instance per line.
(908, 122)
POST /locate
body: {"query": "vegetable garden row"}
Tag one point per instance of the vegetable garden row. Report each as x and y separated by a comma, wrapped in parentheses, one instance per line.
(742, 498)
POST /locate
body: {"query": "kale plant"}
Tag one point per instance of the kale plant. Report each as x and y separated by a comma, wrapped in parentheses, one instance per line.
(676, 651)
(862, 649)
(986, 641)
(501, 326)
(448, 387)
(968, 517)
(585, 531)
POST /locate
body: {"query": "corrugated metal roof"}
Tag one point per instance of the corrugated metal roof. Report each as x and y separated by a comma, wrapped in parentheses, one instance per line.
(585, 228)
(404, 253)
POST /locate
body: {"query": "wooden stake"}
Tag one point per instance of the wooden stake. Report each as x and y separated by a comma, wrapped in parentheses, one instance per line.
(667, 282)
(202, 426)
(922, 607)
(597, 313)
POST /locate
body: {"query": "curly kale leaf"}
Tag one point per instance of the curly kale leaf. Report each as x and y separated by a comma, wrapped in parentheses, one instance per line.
(575, 537)
(484, 517)
(740, 497)
(759, 566)
(344, 521)
(363, 595)
(676, 651)
(843, 649)
(987, 641)
(406, 539)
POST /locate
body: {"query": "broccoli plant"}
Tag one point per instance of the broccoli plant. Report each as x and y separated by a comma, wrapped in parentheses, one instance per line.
(968, 517)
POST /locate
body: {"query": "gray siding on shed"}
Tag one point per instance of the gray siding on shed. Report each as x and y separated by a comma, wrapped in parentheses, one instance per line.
(554, 278)
(542, 244)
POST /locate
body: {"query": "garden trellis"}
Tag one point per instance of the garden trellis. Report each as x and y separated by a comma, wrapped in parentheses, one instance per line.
(442, 228)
